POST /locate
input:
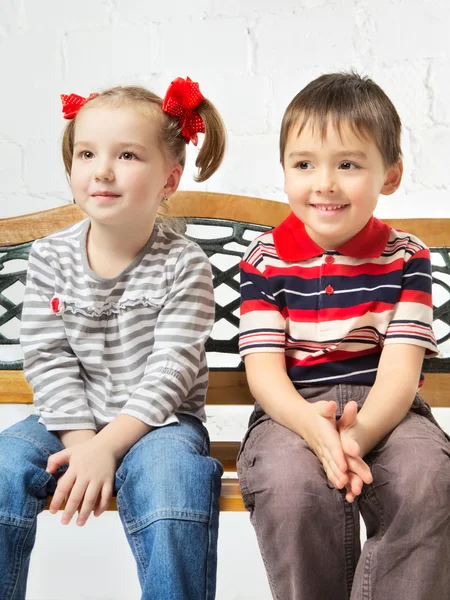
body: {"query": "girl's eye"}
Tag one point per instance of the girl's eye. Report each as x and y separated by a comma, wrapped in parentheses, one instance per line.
(348, 166)
(303, 165)
(86, 155)
(128, 156)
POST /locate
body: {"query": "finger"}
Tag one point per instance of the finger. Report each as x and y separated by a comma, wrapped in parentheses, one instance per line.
(62, 491)
(337, 481)
(349, 495)
(89, 501)
(350, 446)
(339, 475)
(328, 409)
(349, 415)
(355, 483)
(333, 451)
(360, 468)
(57, 460)
(104, 499)
(74, 500)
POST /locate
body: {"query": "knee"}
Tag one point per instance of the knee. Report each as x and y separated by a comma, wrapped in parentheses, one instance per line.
(18, 474)
(168, 473)
(417, 480)
(295, 485)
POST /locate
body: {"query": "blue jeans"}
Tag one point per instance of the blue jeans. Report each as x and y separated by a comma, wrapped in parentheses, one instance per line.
(168, 492)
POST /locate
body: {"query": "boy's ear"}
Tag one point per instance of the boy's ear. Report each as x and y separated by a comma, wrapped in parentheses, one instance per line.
(393, 178)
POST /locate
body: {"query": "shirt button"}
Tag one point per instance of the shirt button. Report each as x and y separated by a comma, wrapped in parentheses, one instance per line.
(329, 259)
(329, 290)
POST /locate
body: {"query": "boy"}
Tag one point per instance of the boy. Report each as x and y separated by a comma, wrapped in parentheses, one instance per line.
(336, 318)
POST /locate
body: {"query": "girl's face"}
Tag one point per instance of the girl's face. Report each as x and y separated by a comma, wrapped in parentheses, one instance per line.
(119, 174)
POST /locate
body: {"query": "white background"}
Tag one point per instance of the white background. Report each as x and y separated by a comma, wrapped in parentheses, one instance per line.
(250, 57)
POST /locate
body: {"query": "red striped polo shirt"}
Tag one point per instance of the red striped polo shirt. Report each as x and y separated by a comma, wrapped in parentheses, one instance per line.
(332, 311)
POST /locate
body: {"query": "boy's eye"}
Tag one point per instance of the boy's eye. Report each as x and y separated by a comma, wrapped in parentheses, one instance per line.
(348, 166)
(303, 165)
(86, 155)
(128, 156)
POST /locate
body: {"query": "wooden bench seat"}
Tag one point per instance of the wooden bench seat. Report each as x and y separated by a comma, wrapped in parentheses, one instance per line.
(238, 219)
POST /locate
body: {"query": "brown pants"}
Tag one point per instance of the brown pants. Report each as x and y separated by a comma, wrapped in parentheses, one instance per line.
(308, 533)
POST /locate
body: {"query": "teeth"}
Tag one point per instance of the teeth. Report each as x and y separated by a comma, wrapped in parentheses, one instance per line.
(326, 208)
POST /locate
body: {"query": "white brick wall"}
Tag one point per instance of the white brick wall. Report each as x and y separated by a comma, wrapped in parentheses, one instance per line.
(250, 57)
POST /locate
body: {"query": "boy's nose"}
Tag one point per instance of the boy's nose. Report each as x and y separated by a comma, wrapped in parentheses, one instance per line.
(324, 183)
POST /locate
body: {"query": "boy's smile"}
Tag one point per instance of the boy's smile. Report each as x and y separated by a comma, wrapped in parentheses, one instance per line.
(333, 183)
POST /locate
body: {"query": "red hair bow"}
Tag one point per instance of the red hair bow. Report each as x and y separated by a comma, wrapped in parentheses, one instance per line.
(180, 100)
(71, 104)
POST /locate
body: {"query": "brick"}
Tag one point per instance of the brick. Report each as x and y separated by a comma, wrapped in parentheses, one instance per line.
(37, 108)
(432, 167)
(142, 11)
(44, 169)
(11, 158)
(409, 30)
(251, 167)
(235, 8)
(14, 204)
(30, 57)
(244, 103)
(439, 85)
(304, 39)
(9, 16)
(53, 14)
(112, 53)
(420, 204)
(202, 48)
(405, 84)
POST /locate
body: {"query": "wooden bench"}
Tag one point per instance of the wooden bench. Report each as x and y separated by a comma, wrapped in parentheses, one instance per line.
(223, 225)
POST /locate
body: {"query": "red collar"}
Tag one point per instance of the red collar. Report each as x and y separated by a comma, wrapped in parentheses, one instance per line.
(293, 244)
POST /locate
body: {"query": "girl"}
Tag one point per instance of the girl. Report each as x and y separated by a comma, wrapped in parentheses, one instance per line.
(116, 314)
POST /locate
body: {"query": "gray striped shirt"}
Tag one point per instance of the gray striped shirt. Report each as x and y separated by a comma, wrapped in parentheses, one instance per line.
(134, 344)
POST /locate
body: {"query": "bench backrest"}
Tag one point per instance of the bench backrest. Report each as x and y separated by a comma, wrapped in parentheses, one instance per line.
(223, 225)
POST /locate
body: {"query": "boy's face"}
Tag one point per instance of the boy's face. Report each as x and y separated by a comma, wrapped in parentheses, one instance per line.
(333, 184)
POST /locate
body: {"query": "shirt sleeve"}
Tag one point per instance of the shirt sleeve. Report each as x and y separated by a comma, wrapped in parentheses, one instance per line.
(182, 329)
(412, 320)
(50, 366)
(262, 326)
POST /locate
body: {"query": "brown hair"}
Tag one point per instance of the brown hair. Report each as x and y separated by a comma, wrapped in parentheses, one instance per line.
(346, 98)
(213, 148)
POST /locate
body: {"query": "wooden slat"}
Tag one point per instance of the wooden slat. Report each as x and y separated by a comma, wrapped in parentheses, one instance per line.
(226, 453)
(26, 228)
(230, 498)
(228, 387)
(432, 232)
(17, 230)
(15, 390)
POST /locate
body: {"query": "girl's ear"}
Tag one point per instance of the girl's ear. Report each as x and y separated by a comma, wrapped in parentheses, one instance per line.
(393, 178)
(173, 180)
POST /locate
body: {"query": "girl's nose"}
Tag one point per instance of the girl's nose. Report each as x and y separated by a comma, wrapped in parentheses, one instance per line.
(104, 172)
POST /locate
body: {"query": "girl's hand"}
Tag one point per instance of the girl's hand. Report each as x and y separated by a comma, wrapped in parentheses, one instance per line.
(351, 436)
(319, 431)
(88, 483)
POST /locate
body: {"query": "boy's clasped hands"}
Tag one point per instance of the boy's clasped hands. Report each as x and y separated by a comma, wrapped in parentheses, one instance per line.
(338, 445)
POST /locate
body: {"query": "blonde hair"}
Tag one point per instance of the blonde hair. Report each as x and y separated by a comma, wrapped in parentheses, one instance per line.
(346, 99)
(211, 152)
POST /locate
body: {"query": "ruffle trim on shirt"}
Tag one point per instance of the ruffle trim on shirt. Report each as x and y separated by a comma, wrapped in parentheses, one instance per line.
(75, 307)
